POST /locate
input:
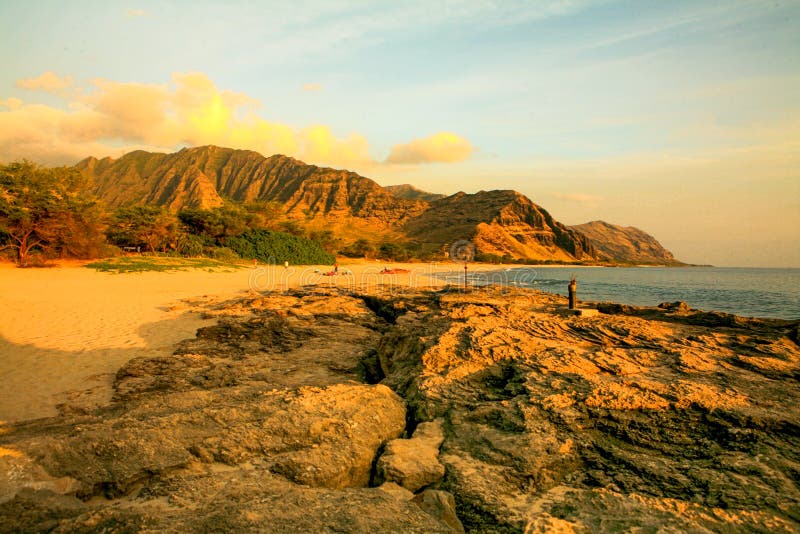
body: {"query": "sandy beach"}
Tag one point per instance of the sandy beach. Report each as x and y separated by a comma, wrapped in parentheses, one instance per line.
(66, 330)
(348, 405)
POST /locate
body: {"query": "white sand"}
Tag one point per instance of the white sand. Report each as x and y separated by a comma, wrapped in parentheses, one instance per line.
(65, 331)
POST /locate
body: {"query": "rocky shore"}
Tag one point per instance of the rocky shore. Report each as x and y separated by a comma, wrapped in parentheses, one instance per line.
(497, 410)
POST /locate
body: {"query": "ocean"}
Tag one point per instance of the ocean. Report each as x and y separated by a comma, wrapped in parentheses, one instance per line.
(748, 292)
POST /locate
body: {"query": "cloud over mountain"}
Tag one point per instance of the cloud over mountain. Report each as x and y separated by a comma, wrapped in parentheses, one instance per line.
(109, 118)
(440, 147)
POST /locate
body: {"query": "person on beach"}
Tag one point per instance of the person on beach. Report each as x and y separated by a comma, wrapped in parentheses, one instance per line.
(286, 264)
(335, 267)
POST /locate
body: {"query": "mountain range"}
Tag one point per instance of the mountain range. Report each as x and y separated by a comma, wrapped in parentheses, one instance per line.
(499, 223)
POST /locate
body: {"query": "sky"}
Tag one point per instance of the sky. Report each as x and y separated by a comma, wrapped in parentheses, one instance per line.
(680, 118)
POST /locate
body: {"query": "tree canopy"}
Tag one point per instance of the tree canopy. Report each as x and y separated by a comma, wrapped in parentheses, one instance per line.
(43, 209)
(150, 228)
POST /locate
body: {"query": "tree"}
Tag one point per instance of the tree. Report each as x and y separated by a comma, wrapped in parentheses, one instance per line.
(360, 249)
(230, 219)
(82, 234)
(329, 241)
(202, 222)
(191, 245)
(393, 252)
(150, 227)
(45, 210)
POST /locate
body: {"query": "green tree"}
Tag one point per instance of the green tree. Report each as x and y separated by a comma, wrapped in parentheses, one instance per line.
(47, 210)
(150, 227)
(190, 245)
(207, 223)
(230, 219)
(393, 251)
(360, 249)
(329, 241)
(82, 235)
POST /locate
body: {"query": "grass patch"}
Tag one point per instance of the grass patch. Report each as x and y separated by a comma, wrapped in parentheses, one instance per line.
(139, 264)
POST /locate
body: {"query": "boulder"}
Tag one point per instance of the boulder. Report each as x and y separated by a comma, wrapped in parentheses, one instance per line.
(414, 463)
(322, 437)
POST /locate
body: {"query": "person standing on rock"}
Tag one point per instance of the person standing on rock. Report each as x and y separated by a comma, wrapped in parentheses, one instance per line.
(335, 267)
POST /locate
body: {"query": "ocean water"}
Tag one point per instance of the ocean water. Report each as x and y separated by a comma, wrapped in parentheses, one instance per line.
(748, 292)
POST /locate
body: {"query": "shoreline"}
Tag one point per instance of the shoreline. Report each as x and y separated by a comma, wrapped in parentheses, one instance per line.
(296, 395)
(68, 329)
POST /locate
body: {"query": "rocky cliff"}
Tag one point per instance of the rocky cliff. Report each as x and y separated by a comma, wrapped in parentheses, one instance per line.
(625, 244)
(496, 410)
(204, 176)
(410, 192)
(500, 223)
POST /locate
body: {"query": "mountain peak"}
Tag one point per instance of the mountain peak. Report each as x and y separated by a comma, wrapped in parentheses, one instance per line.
(501, 223)
(409, 192)
(202, 176)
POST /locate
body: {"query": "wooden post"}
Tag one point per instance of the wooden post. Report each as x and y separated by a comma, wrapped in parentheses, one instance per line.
(573, 293)
(465, 277)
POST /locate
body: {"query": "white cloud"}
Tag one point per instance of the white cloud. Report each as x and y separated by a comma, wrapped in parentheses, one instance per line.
(441, 147)
(114, 117)
(49, 82)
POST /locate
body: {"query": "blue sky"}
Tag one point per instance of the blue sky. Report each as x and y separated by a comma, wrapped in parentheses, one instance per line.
(681, 118)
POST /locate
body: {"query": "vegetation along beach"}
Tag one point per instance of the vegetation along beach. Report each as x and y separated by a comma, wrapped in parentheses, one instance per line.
(514, 267)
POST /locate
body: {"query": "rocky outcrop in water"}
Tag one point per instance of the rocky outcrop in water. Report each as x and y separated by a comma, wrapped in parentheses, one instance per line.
(429, 411)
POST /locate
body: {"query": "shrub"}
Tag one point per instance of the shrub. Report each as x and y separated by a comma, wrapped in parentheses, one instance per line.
(224, 254)
(360, 249)
(277, 247)
(191, 245)
(488, 258)
(393, 252)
